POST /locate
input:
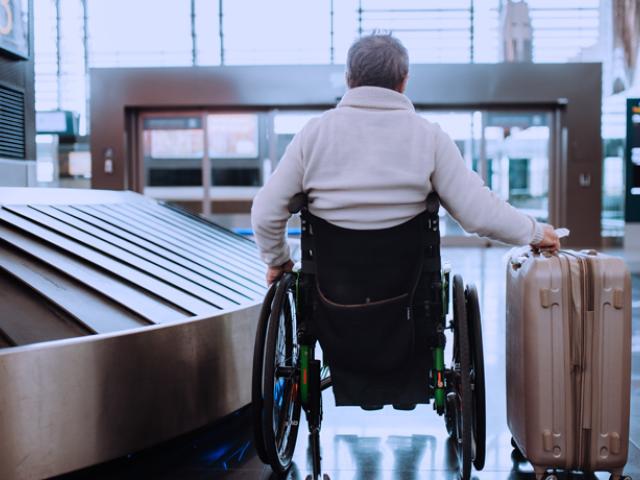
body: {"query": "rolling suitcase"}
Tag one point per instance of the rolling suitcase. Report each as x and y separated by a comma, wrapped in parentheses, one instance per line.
(569, 360)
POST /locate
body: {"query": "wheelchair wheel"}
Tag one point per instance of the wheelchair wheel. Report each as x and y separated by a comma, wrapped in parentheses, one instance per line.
(462, 398)
(477, 377)
(281, 400)
(258, 374)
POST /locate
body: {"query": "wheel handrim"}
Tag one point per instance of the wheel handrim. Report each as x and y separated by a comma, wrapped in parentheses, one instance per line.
(257, 397)
(282, 406)
(461, 377)
(477, 378)
(285, 389)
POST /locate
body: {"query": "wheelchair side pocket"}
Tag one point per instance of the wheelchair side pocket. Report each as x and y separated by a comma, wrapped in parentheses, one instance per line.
(368, 337)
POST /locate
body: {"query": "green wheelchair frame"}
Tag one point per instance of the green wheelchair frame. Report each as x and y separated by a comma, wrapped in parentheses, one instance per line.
(287, 378)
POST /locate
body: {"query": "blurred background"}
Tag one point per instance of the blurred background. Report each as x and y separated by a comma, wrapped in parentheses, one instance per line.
(125, 323)
(71, 38)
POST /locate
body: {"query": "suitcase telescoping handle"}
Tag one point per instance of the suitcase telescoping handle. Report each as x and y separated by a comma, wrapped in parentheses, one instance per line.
(518, 255)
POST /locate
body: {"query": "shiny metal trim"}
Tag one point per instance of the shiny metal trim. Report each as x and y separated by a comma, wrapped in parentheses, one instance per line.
(65, 196)
(68, 404)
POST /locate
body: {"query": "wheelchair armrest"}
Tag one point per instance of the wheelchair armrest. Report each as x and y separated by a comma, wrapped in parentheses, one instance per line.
(298, 202)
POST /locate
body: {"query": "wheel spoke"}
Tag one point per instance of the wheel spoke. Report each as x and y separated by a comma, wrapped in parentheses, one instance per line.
(281, 410)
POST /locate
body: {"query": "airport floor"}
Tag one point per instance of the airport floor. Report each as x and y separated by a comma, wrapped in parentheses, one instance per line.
(381, 445)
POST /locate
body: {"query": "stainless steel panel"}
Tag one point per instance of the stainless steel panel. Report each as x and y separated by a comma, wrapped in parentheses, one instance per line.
(73, 403)
(65, 196)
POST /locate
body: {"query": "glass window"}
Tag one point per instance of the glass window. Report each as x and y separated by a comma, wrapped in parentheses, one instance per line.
(282, 32)
(437, 32)
(207, 32)
(233, 135)
(460, 126)
(173, 149)
(285, 126)
(517, 160)
(45, 66)
(510, 152)
(562, 29)
(613, 181)
(139, 33)
(172, 144)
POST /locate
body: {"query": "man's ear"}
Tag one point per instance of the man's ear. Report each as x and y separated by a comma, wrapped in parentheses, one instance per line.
(403, 85)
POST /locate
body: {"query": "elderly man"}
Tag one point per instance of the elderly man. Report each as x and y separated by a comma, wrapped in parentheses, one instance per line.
(370, 163)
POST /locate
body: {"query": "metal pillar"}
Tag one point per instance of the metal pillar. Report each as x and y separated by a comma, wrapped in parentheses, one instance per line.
(85, 47)
(221, 31)
(58, 56)
(206, 169)
(194, 38)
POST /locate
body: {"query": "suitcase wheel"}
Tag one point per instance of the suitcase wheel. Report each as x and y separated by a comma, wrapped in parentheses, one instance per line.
(516, 450)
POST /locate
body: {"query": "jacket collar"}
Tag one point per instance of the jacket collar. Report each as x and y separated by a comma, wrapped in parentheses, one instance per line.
(376, 98)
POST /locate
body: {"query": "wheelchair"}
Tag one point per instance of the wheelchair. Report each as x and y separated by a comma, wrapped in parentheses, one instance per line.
(377, 303)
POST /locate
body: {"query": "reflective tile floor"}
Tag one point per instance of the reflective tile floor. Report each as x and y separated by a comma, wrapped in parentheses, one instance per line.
(380, 445)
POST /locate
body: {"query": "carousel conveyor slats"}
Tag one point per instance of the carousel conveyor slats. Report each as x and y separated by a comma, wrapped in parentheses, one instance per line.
(108, 266)
(225, 295)
(160, 235)
(201, 301)
(155, 310)
(193, 238)
(192, 263)
(122, 270)
(25, 321)
(95, 312)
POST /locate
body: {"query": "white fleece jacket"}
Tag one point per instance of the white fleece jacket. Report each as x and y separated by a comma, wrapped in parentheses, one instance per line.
(370, 163)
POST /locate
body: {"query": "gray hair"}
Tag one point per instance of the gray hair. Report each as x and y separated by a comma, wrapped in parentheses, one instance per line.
(377, 60)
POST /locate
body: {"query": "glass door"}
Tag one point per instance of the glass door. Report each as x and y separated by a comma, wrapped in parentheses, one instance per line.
(188, 156)
(464, 128)
(173, 147)
(511, 151)
(515, 159)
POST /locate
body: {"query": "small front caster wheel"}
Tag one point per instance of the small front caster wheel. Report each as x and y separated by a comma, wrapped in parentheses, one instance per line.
(552, 476)
(623, 477)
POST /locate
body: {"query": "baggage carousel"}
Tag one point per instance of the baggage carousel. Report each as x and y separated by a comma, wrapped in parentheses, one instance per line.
(124, 322)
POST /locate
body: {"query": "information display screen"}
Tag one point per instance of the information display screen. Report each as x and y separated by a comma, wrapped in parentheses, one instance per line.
(179, 137)
(632, 204)
(233, 135)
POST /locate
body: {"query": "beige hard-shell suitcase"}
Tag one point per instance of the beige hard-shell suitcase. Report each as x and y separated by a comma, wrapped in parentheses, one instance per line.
(569, 360)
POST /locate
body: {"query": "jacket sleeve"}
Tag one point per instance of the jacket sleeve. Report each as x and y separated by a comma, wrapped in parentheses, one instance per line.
(269, 213)
(472, 204)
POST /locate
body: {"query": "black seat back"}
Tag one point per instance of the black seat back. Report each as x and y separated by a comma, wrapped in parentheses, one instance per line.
(363, 266)
(372, 298)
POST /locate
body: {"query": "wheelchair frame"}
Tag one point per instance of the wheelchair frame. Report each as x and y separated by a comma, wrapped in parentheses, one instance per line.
(287, 378)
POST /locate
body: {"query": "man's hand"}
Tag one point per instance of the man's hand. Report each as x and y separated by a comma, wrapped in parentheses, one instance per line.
(274, 273)
(550, 240)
